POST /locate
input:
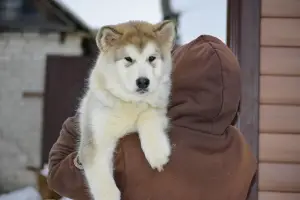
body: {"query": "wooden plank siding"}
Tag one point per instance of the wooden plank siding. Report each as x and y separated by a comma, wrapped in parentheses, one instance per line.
(279, 148)
(280, 8)
(280, 32)
(278, 196)
(279, 177)
(280, 90)
(280, 61)
(279, 119)
(279, 143)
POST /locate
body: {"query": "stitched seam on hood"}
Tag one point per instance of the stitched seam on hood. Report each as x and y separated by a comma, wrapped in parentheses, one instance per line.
(222, 80)
(172, 105)
(212, 119)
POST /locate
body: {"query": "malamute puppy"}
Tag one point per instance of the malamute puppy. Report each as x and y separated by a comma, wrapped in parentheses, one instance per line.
(128, 91)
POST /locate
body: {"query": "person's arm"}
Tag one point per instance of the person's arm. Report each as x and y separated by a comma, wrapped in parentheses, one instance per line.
(65, 174)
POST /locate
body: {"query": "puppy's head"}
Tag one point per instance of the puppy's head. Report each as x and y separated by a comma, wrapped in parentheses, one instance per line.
(136, 56)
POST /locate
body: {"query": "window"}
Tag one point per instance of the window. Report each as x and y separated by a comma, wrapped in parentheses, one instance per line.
(12, 10)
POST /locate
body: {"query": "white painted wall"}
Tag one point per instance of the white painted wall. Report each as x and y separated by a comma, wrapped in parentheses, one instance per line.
(22, 68)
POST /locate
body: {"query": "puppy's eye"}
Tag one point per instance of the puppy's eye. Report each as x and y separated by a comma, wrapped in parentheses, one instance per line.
(151, 58)
(128, 59)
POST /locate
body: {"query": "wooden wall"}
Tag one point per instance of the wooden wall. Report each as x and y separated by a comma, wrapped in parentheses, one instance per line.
(279, 147)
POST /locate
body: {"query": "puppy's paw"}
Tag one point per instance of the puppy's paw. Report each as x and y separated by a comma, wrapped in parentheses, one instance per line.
(157, 150)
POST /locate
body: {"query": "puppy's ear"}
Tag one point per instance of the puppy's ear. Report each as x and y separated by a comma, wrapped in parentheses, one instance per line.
(106, 37)
(166, 32)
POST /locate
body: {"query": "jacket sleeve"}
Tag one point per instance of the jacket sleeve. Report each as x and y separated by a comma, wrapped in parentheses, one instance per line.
(65, 174)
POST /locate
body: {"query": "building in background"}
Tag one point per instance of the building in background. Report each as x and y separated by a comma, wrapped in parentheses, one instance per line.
(29, 32)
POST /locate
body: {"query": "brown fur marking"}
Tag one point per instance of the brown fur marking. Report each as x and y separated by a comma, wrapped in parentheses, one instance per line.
(138, 33)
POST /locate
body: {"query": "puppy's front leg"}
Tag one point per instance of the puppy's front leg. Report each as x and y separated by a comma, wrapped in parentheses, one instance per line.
(99, 172)
(100, 179)
(152, 127)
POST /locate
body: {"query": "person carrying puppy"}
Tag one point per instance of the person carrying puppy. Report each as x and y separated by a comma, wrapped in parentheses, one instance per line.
(210, 158)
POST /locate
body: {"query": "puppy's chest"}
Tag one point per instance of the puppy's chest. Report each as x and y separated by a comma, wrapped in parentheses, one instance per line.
(123, 117)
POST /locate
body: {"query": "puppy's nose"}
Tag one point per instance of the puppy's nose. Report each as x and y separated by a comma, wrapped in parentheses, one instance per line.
(142, 82)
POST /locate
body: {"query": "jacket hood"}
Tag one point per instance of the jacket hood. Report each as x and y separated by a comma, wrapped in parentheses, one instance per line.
(206, 86)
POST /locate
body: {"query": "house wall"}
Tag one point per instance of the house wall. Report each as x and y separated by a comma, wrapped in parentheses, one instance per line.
(279, 154)
(22, 66)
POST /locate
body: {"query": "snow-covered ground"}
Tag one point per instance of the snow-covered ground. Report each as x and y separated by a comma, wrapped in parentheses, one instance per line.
(28, 193)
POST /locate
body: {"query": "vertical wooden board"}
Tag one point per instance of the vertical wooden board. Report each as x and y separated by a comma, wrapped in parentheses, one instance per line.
(278, 196)
(280, 8)
(280, 61)
(280, 32)
(280, 90)
(279, 148)
(248, 56)
(279, 177)
(279, 119)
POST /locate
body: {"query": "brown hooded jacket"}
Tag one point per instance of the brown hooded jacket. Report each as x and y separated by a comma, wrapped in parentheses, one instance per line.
(210, 158)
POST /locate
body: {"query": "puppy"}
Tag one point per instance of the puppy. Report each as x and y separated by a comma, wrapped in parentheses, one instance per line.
(128, 91)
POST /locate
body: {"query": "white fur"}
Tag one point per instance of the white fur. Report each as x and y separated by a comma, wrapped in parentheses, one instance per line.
(112, 108)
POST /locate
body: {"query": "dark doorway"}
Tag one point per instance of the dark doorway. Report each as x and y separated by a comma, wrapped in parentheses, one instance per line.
(64, 85)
